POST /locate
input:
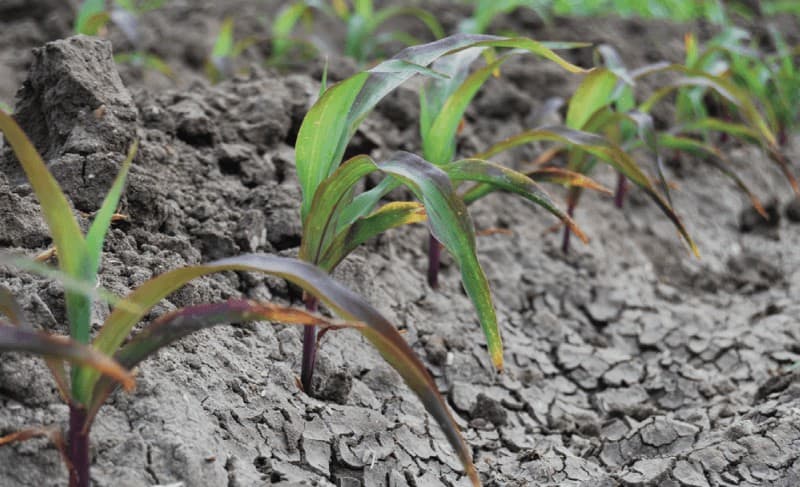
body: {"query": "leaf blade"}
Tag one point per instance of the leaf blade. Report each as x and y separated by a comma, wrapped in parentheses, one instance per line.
(16, 339)
(102, 221)
(605, 151)
(450, 223)
(501, 177)
(64, 229)
(338, 298)
(390, 215)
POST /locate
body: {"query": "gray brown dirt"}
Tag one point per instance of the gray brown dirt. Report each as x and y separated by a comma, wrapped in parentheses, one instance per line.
(628, 361)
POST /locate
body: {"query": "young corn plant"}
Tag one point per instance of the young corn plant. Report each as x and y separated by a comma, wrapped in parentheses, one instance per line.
(362, 20)
(586, 140)
(773, 79)
(221, 63)
(337, 218)
(743, 120)
(605, 104)
(443, 102)
(93, 17)
(85, 389)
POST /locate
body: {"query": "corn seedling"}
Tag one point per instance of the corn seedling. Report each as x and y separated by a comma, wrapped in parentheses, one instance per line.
(773, 79)
(585, 140)
(363, 22)
(604, 104)
(752, 127)
(226, 50)
(93, 17)
(336, 219)
(443, 101)
(86, 389)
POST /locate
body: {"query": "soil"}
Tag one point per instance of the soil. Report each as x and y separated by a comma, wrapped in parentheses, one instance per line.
(628, 362)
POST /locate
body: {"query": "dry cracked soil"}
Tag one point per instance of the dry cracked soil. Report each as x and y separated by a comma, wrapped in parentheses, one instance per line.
(629, 362)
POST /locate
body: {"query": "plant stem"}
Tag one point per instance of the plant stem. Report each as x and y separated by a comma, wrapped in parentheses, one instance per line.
(434, 261)
(309, 347)
(78, 447)
(566, 234)
(622, 188)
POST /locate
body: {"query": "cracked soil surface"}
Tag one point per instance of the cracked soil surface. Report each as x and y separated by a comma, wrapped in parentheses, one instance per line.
(628, 362)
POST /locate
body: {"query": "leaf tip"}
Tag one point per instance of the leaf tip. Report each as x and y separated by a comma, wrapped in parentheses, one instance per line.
(497, 359)
(128, 382)
(574, 228)
(695, 250)
(473, 475)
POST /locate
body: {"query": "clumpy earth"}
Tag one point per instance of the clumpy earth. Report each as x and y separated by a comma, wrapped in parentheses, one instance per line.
(628, 362)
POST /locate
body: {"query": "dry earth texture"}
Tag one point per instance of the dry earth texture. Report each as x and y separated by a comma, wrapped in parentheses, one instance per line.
(628, 361)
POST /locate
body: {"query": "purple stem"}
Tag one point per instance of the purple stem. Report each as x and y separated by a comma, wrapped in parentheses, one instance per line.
(783, 137)
(622, 188)
(78, 447)
(434, 261)
(566, 234)
(309, 347)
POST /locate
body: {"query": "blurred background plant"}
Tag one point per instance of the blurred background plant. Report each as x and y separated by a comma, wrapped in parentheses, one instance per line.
(364, 35)
(94, 16)
(767, 69)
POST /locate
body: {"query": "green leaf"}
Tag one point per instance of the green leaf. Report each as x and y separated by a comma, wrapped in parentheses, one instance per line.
(739, 98)
(365, 202)
(102, 221)
(564, 177)
(605, 151)
(75, 285)
(390, 215)
(438, 143)
(724, 88)
(223, 46)
(734, 129)
(332, 194)
(15, 339)
(612, 60)
(501, 177)
(365, 8)
(552, 175)
(157, 64)
(95, 23)
(717, 158)
(593, 94)
(357, 43)
(424, 16)
(323, 132)
(647, 134)
(341, 300)
(67, 237)
(89, 15)
(178, 324)
(541, 49)
(282, 28)
(56, 210)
